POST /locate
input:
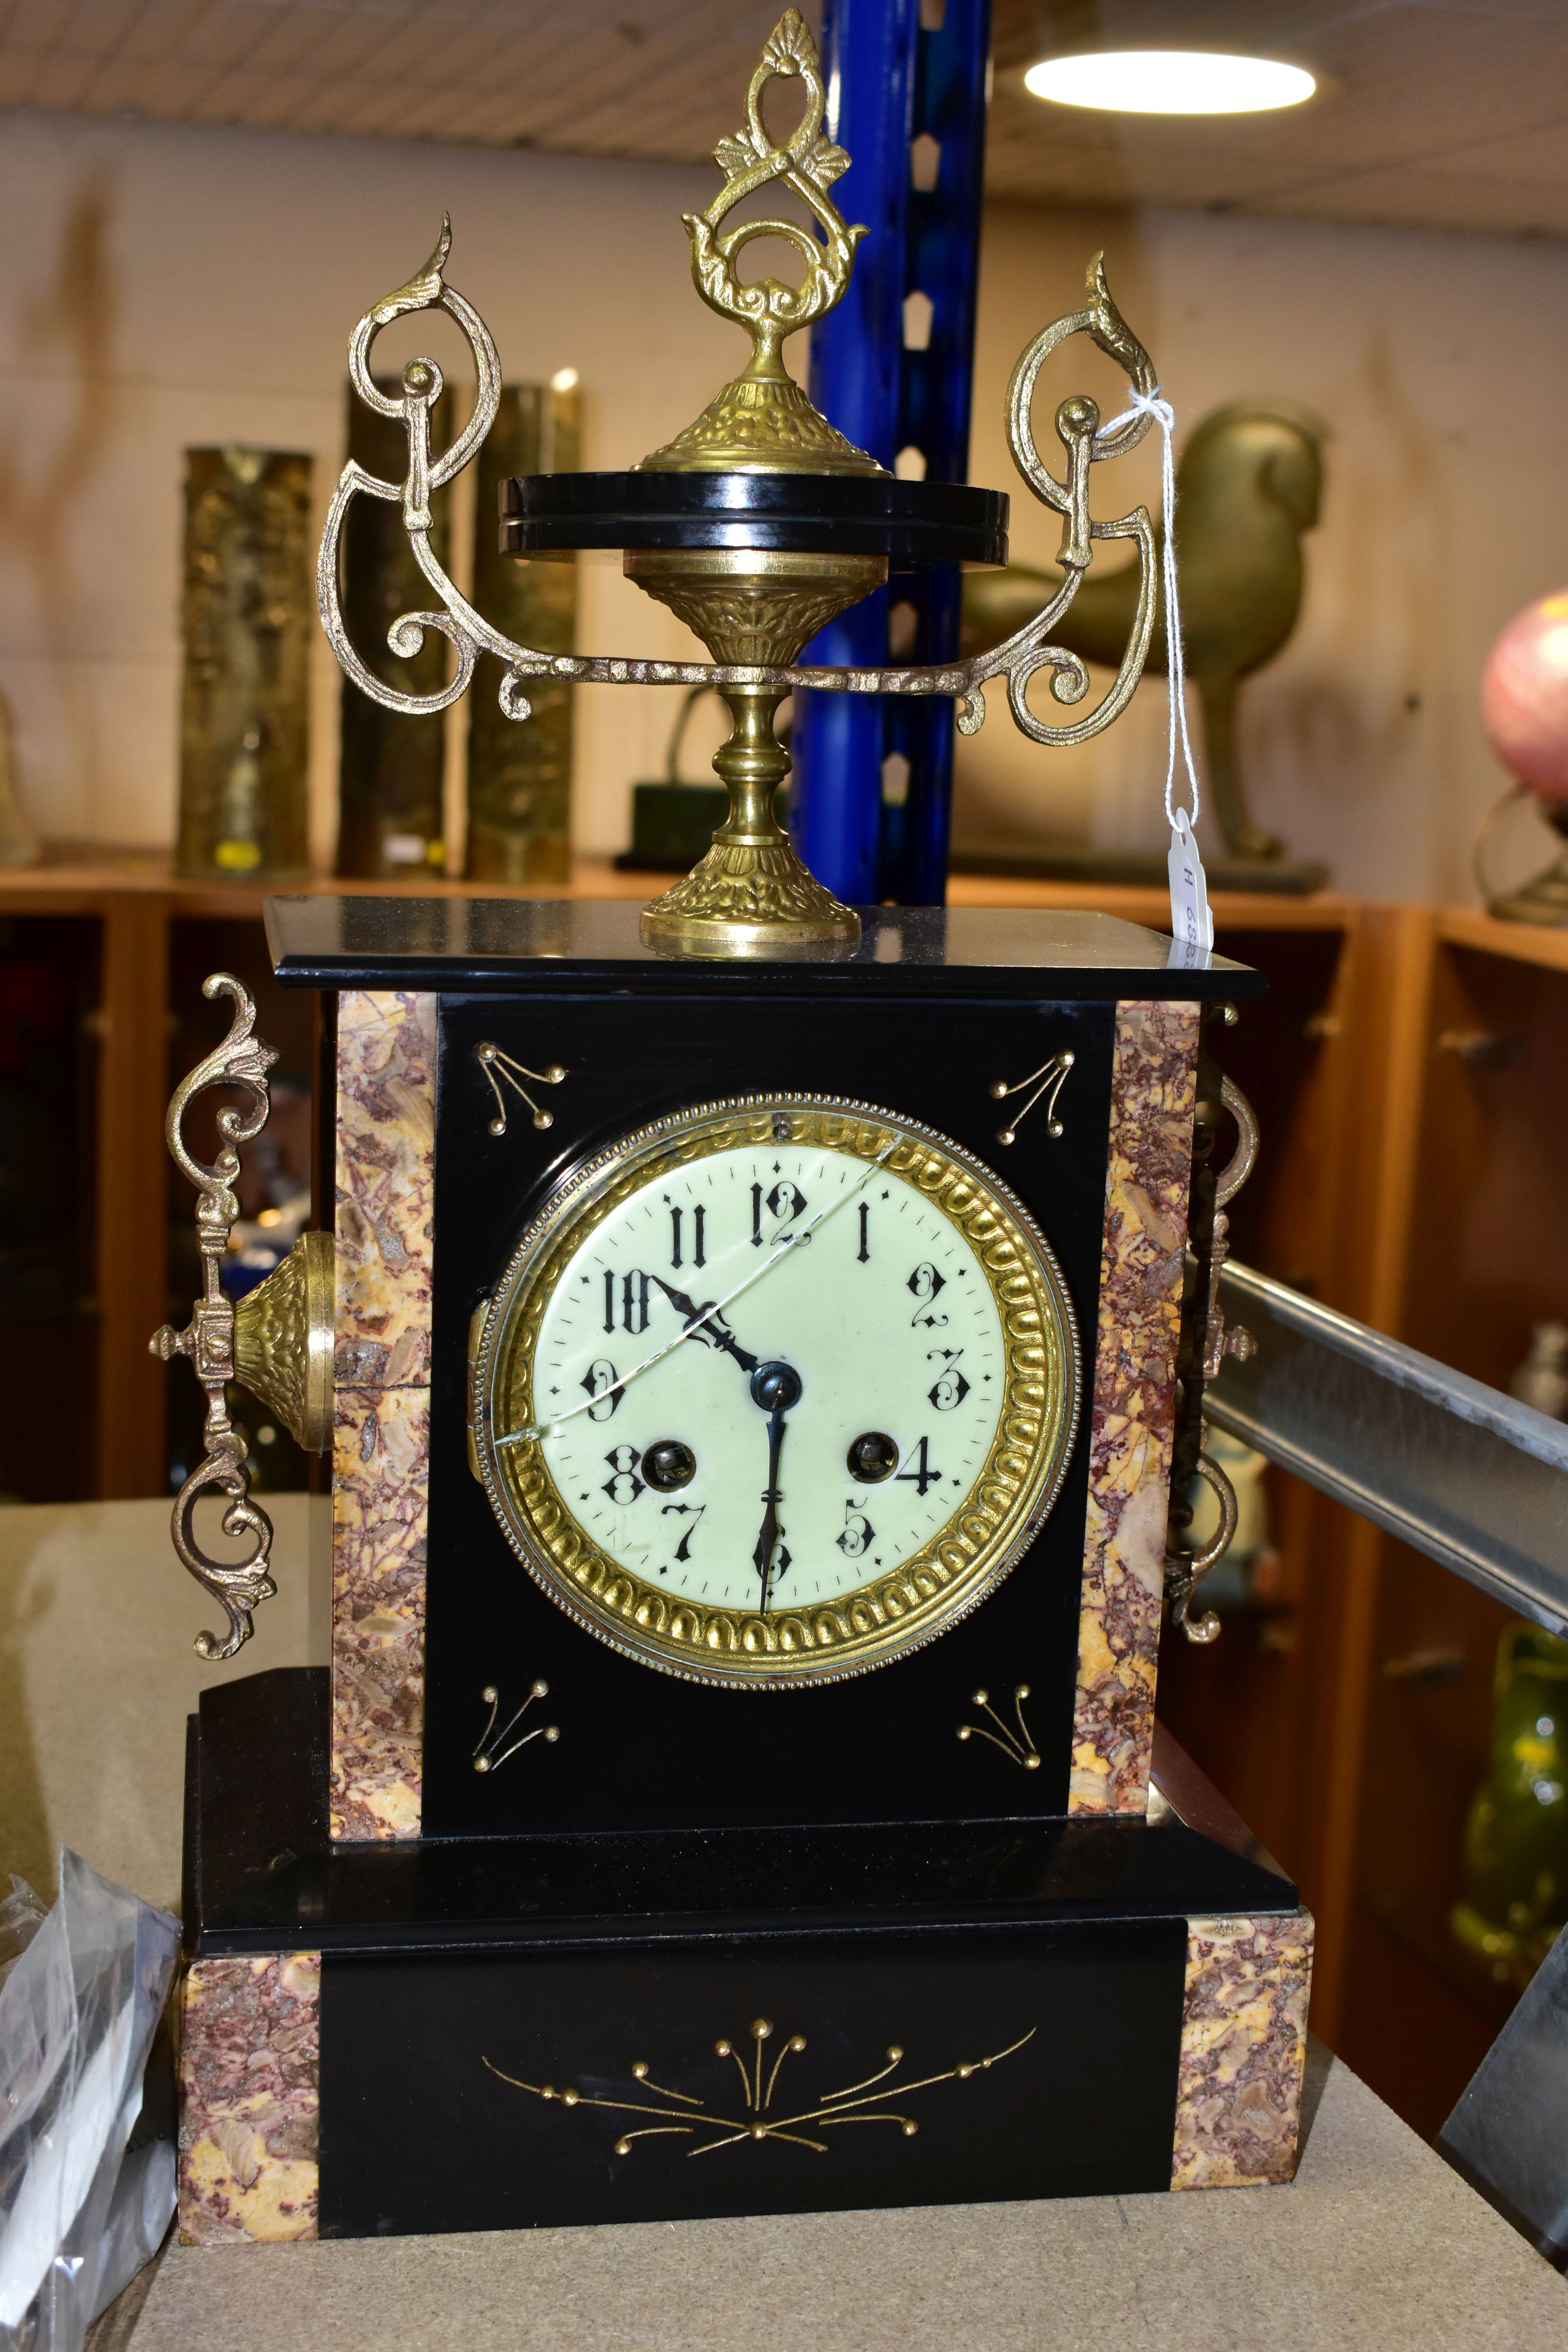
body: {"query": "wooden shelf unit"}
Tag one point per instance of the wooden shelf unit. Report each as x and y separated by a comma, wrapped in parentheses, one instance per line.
(1483, 1256)
(138, 912)
(1396, 1181)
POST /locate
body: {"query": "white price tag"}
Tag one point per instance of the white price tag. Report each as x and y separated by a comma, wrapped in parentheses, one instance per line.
(1191, 924)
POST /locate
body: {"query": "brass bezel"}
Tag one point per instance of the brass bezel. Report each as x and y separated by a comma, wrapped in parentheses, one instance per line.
(900, 1608)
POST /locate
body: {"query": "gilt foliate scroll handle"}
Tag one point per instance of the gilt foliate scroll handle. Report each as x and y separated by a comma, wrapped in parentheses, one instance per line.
(243, 1061)
(774, 313)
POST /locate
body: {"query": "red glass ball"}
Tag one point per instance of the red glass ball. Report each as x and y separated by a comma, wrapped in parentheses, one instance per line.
(1524, 696)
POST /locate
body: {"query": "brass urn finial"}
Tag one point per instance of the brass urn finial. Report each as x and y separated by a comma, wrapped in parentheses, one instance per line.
(757, 526)
(762, 422)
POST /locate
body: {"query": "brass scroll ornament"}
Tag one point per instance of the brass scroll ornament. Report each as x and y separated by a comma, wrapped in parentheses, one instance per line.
(277, 1341)
(1018, 659)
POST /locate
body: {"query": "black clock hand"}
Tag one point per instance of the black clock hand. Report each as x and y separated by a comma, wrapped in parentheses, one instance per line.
(705, 1322)
(768, 1538)
(776, 1387)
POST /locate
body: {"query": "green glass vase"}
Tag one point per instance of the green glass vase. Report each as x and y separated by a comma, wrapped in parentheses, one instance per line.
(1516, 1836)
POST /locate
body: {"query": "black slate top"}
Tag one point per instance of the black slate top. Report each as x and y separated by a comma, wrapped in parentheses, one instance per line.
(592, 946)
(828, 514)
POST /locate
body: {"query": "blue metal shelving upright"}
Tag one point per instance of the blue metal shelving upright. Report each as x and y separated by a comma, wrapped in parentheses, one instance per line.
(903, 76)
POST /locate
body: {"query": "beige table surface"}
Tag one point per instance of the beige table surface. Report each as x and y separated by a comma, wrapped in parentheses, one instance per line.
(1377, 2245)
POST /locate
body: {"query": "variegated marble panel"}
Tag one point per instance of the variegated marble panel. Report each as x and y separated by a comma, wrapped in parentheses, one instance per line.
(1147, 1172)
(386, 1185)
(1244, 2047)
(249, 2067)
(381, 1481)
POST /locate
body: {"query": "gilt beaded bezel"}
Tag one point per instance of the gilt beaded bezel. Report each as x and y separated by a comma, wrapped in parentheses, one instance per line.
(899, 1609)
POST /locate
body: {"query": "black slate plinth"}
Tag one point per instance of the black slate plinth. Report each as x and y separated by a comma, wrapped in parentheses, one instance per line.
(541, 2030)
(542, 946)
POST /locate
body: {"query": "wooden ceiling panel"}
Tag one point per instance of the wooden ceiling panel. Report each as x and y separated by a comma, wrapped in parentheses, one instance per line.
(1449, 113)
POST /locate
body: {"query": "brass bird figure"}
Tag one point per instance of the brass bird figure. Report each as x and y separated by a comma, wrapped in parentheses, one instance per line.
(1248, 483)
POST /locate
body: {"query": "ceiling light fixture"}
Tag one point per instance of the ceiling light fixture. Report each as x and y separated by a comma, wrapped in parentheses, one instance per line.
(1170, 81)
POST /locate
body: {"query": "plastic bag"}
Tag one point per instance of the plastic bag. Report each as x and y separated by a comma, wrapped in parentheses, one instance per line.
(21, 1917)
(79, 2006)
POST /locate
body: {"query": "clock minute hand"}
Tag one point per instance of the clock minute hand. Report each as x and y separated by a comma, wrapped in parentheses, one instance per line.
(775, 1386)
(706, 1322)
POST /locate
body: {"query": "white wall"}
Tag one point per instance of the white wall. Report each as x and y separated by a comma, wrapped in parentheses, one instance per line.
(162, 288)
(1440, 365)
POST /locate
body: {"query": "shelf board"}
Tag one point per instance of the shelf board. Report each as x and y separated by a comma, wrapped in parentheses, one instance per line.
(1537, 943)
(1234, 910)
(88, 881)
(67, 882)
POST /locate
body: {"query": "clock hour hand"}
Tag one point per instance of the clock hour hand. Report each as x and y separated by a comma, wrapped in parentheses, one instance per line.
(706, 1322)
(775, 1386)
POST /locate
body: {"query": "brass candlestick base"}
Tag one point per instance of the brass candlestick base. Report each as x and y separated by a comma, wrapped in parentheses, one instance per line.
(754, 608)
(1544, 900)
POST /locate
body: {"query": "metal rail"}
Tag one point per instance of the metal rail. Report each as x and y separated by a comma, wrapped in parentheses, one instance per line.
(1453, 1468)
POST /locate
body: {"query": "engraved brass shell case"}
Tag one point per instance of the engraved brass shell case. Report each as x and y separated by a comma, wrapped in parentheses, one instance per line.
(899, 1609)
(283, 1341)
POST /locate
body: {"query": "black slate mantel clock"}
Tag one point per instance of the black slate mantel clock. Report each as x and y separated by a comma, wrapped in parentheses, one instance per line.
(748, 1497)
(757, 1343)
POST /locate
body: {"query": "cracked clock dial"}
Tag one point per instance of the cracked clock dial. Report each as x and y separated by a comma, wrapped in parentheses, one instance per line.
(776, 1389)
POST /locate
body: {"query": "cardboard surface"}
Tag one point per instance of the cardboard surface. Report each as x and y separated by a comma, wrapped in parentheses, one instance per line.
(1377, 2243)
(98, 1674)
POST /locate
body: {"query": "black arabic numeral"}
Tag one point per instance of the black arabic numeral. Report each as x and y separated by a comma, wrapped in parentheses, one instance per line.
(693, 1511)
(863, 1255)
(859, 1534)
(756, 1216)
(599, 1381)
(950, 1388)
(925, 1283)
(923, 1476)
(623, 1486)
(786, 1201)
(633, 1301)
(698, 1257)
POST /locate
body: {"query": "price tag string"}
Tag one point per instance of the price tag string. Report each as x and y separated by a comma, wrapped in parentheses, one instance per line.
(1192, 923)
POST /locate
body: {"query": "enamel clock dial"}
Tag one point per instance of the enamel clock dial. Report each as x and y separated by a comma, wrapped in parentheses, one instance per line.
(775, 1391)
